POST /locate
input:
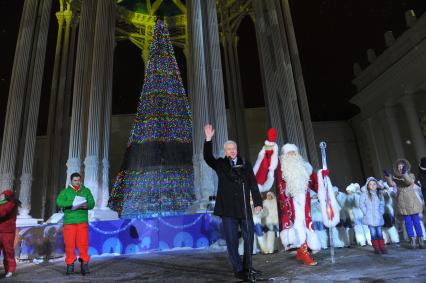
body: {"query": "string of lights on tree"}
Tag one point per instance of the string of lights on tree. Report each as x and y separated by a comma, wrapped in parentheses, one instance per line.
(159, 183)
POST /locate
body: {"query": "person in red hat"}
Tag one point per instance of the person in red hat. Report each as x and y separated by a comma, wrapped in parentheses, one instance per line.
(8, 211)
(295, 179)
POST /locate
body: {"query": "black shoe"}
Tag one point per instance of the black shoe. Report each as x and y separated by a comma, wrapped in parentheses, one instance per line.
(253, 271)
(70, 269)
(241, 275)
(84, 267)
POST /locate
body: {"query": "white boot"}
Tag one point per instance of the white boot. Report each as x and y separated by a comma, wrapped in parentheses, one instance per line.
(9, 274)
(255, 245)
(393, 235)
(262, 244)
(367, 234)
(359, 235)
(270, 242)
(386, 237)
(240, 246)
(339, 237)
(323, 238)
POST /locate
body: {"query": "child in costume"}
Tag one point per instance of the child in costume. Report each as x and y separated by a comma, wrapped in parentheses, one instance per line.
(271, 221)
(361, 231)
(372, 205)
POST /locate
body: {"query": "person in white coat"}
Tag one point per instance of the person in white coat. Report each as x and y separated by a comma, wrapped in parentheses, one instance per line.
(271, 221)
(362, 233)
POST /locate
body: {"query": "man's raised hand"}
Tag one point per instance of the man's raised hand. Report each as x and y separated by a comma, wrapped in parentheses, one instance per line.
(209, 132)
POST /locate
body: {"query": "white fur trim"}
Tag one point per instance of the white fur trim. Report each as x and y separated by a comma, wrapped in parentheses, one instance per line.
(289, 147)
(312, 240)
(271, 170)
(299, 202)
(288, 238)
(322, 195)
(259, 159)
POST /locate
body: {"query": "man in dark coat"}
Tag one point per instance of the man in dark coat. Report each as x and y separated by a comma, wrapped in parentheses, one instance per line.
(235, 175)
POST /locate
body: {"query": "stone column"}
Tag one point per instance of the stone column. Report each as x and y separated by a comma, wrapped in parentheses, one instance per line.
(104, 212)
(215, 76)
(413, 124)
(52, 169)
(204, 187)
(97, 91)
(373, 152)
(235, 94)
(34, 93)
(277, 75)
(17, 89)
(392, 132)
(300, 86)
(83, 67)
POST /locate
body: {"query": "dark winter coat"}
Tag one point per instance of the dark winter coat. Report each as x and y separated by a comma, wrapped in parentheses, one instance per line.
(229, 198)
(422, 175)
(8, 211)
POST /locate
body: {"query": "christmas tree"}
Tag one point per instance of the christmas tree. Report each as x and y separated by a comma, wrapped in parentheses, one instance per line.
(156, 176)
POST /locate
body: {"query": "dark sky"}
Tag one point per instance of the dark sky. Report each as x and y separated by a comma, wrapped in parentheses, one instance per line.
(331, 35)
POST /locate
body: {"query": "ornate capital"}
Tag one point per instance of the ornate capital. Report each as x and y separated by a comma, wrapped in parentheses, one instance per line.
(60, 16)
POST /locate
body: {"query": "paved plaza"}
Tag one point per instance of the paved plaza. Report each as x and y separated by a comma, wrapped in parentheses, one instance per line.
(358, 264)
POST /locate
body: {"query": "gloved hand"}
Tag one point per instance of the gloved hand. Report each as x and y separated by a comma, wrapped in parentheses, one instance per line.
(324, 172)
(386, 173)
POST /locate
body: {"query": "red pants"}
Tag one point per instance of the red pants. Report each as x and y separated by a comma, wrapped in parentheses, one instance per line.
(6, 246)
(76, 235)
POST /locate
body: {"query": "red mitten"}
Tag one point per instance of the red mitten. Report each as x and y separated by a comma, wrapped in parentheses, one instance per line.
(325, 172)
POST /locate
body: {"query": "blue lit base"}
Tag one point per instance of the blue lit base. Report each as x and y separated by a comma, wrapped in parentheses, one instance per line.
(125, 236)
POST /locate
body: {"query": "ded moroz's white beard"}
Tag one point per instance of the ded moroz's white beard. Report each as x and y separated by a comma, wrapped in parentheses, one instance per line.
(296, 173)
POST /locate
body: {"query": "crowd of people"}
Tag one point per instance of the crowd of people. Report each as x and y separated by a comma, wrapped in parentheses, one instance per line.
(376, 213)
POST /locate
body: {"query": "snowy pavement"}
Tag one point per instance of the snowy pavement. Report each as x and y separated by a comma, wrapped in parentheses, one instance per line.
(358, 264)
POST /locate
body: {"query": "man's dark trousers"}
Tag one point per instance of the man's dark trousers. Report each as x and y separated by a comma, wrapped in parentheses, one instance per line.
(230, 230)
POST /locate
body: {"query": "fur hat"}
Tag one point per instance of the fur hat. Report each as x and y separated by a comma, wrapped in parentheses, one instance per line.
(422, 165)
(369, 179)
(289, 147)
(401, 161)
(271, 193)
(353, 187)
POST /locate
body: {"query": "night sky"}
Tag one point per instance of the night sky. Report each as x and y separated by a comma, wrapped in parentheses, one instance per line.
(331, 36)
